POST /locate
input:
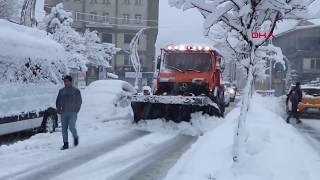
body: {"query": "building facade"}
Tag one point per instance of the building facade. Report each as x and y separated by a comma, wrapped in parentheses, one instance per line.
(301, 46)
(117, 21)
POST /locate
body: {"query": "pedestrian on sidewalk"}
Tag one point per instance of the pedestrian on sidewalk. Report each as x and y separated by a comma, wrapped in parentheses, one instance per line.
(68, 105)
(295, 96)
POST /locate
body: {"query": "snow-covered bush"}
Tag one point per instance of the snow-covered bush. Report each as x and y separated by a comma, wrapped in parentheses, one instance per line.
(98, 53)
(237, 22)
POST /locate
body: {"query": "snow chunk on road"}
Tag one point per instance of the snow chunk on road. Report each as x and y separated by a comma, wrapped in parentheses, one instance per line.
(274, 150)
(200, 124)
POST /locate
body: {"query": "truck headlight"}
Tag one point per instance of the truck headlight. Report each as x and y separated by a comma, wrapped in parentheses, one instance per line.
(199, 80)
(232, 91)
(167, 79)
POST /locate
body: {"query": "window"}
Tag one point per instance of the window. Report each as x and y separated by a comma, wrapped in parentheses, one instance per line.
(107, 38)
(312, 63)
(318, 64)
(93, 16)
(138, 2)
(138, 18)
(126, 18)
(127, 60)
(106, 2)
(128, 38)
(106, 17)
(127, 2)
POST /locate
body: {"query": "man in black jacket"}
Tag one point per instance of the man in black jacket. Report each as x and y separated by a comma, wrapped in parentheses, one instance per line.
(68, 105)
(295, 96)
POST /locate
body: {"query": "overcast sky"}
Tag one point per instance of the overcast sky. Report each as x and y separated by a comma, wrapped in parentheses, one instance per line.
(177, 26)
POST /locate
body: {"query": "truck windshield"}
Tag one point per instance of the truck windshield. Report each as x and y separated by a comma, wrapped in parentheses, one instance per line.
(198, 62)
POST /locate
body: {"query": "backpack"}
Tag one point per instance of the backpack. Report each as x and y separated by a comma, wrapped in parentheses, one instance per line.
(294, 96)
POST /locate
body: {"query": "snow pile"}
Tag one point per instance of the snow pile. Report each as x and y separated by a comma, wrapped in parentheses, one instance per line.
(198, 126)
(274, 150)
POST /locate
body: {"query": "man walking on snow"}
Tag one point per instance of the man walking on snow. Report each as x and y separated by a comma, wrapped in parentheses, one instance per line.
(295, 96)
(68, 105)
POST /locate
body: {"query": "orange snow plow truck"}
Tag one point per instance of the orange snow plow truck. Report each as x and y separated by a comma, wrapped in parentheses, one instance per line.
(188, 80)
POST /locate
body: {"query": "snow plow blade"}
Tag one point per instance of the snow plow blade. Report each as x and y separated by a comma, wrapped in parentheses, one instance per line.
(175, 108)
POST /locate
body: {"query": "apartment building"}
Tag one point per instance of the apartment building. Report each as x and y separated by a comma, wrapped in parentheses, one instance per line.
(117, 21)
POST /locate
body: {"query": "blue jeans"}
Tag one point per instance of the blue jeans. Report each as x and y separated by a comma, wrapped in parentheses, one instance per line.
(68, 119)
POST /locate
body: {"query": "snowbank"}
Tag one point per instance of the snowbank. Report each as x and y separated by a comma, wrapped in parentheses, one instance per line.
(274, 150)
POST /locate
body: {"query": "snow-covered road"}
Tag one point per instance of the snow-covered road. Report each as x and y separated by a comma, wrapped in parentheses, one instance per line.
(135, 155)
(310, 129)
(76, 157)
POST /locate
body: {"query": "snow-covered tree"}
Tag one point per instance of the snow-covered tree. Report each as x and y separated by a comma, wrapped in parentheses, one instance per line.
(98, 53)
(57, 18)
(81, 50)
(238, 22)
(58, 23)
(8, 8)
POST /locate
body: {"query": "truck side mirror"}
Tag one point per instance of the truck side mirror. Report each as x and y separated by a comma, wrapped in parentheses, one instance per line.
(222, 67)
(158, 62)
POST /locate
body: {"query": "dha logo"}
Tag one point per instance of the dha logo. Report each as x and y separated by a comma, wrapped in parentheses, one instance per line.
(260, 35)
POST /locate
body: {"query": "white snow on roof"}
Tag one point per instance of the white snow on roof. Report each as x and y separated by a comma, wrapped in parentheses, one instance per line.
(314, 9)
(291, 24)
(284, 26)
(18, 42)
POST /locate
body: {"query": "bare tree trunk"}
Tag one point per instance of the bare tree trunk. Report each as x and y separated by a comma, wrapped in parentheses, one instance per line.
(240, 135)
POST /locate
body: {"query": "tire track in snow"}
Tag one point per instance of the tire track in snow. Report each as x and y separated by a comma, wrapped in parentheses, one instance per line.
(311, 134)
(156, 165)
(54, 167)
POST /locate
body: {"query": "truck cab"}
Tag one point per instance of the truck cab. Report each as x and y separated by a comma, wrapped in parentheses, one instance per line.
(189, 70)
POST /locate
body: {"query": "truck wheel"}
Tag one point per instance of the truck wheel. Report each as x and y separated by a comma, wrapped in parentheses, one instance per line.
(49, 124)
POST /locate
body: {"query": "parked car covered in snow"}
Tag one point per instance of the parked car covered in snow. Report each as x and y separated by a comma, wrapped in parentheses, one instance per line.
(310, 102)
(117, 91)
(31, 68)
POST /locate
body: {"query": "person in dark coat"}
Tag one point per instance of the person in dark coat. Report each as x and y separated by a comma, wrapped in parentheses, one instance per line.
(295, 96)
(68, 105)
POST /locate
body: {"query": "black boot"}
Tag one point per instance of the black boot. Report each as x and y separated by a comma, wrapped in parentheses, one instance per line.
(65, 146)
(299, 121)
(288, 120)
(76, 141)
